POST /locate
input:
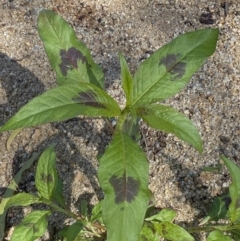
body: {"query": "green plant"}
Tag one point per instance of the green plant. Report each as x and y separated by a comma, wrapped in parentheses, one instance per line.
(123, 169)
(225, 207)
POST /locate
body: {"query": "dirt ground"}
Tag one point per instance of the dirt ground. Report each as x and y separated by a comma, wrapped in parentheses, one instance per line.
(136, 28)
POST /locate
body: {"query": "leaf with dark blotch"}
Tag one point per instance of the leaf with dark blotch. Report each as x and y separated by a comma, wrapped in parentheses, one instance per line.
(148, 234)
(63, 103)
(177, 69)
(46, 175)
(70, 58)
(170, 68)
(125, 188)
(47, 178)
(123, 176)
(88, 98)
(32, 227)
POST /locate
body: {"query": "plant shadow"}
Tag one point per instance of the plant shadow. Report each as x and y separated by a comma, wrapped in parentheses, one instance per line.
(19, 85)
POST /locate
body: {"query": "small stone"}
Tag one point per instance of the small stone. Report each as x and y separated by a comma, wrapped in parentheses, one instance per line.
(36, 134)
(225, 185)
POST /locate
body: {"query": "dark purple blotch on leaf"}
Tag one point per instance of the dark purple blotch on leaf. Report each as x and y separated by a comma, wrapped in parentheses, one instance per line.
(227, 201)
(88, 98)
(33, 226)
(46, 178)
(164, 231)
(144, 238)
(70, 59)
(125, 188)
(173, 66)
(143, 111)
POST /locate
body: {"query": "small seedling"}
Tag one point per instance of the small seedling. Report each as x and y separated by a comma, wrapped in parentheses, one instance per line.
(123, 169)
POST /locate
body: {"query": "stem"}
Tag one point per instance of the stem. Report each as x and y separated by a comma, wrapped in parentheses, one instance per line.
(90, 226)
(57, 208)
(210, 228)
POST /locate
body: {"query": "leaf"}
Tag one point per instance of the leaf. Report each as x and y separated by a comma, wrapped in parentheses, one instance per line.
(72, 231)
(218, 210)
(84, 208)
(9, 192)
(171, 67)
(58, 194)
(147, 234)
(12, 137)
(169, 120)
(131, 127)
(70, 58)
(62, 103)
(236, 234)
(46, 174)
(97, 212)
(127, 81)
(163, 215)
(172, 231)
(32, 227)
(213, 169)
(22, 199)
(234, 189)
(218, 236)
(123, 176)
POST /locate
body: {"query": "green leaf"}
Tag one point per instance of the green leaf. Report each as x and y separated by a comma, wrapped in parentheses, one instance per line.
(172, 231)
(62, 103)
(72, 231)
(171, 67)
(46, 174)
(163, 215)
(169, 120)
(84, 208)
(32, 227)
(147, 234)
(97, 212)
(236, 234)
(9, 192)
(234, 189)
(123, 175)
(214, 169)
(218, 210)
(127, 81)
(69, 57)
(218, 236)
(22, 199)
(58, 194)
(131, 127)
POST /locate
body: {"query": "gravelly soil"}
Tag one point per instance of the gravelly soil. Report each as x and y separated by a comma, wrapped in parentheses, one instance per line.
(137, 28)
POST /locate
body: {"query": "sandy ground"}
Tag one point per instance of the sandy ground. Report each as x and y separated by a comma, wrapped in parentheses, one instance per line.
(136, 28)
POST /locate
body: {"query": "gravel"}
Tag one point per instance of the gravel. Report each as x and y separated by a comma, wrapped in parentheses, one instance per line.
(136, 28)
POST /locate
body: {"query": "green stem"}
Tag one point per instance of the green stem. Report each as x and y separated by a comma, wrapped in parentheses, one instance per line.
(57, 208)
(210, 228)
(90, 226)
